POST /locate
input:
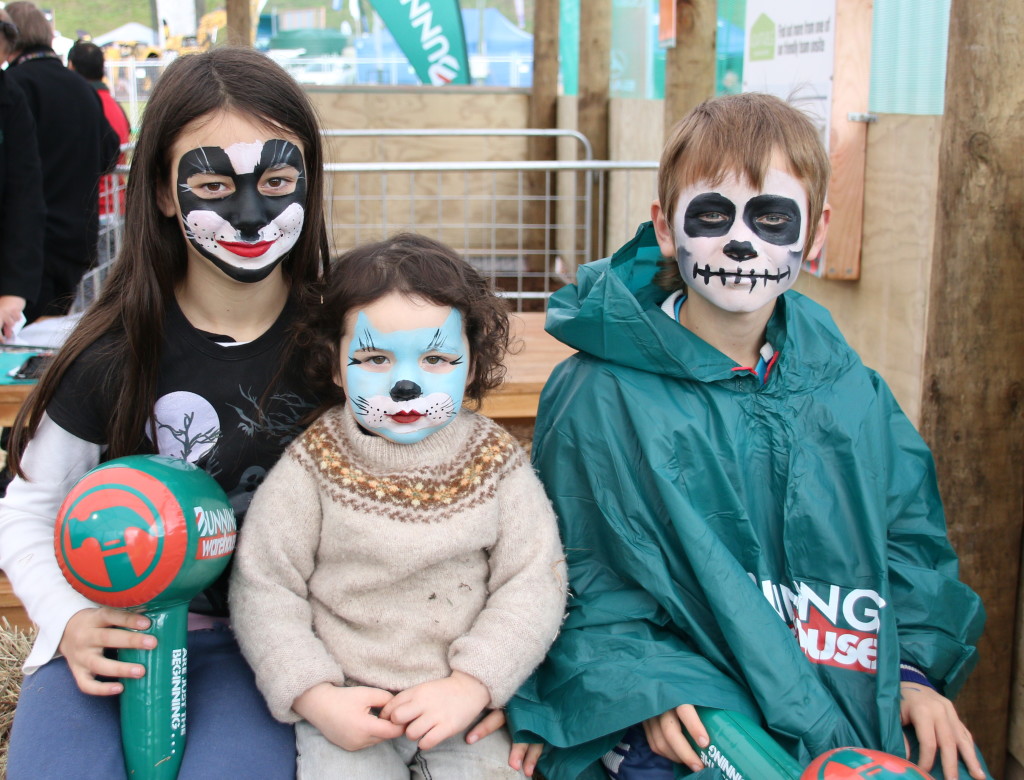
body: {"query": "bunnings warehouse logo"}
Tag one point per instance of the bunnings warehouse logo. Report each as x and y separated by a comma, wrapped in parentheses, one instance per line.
(835, 626)
(443, 66)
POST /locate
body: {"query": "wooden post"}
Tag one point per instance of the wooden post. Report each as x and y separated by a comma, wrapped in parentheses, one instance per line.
(690, 65)
(240, 22)
(972, 410)
(595, 74)
(544, 95)
(543, 116)
(592, 105)
(851, 83)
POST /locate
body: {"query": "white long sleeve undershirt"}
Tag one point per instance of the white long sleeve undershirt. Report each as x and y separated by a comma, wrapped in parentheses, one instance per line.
(53, 461)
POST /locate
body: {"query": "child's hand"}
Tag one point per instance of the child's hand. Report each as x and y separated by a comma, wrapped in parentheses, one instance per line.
(434, 711)
(490, 723)
(342, 714)
(524, 756)
(88, 633)
(937, 727)
(665, 735)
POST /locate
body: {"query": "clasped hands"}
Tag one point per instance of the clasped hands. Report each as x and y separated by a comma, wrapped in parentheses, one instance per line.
(428, 713)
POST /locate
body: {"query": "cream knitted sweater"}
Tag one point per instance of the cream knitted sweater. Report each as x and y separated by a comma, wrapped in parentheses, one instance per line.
(367, 562)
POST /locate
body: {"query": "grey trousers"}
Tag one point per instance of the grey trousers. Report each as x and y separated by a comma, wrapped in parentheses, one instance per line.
(400, 759)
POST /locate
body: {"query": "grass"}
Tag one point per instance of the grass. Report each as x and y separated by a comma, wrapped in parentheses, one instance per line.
(95, 17)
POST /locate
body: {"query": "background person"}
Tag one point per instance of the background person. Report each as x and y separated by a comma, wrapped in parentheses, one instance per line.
(86, 59)
(22, 209)
(76, 146)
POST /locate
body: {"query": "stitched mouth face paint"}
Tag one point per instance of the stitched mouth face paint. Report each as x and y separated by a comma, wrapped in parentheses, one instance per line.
(738, 247)
(404, 368)
(243, 205)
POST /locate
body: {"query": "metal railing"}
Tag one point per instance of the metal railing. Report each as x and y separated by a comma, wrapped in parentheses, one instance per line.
(525, 225)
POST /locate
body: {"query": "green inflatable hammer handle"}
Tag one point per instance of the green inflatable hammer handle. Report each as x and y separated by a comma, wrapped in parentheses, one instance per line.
(741, 749)
(148, 533)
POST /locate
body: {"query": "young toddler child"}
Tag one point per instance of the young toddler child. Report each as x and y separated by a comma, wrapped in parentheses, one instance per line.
(400, 571)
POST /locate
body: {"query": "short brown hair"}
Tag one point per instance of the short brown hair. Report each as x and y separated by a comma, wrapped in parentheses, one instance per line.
(33, 29)
(413, 265)
(738, 134)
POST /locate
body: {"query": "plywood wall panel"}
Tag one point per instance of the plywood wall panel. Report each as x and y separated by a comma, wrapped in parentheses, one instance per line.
(883, 315)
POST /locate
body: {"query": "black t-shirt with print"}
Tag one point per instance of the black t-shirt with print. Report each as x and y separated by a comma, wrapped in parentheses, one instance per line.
(209, 397)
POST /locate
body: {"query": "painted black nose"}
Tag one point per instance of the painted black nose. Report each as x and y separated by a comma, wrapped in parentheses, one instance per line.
(404, 390)
(250, 215)
(740, 250)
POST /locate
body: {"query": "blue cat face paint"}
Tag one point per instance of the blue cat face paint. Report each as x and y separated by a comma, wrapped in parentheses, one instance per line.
(405, 364)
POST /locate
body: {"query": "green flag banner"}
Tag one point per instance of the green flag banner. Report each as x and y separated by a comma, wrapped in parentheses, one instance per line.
(431, 35)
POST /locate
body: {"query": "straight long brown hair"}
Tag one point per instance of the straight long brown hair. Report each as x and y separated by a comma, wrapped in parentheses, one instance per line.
(152, 259)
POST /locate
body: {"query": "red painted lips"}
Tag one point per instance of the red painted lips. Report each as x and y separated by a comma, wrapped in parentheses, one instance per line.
(405, 417)
(245, 249)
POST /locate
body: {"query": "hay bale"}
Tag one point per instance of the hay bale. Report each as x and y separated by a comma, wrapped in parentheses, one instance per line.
(15, 645)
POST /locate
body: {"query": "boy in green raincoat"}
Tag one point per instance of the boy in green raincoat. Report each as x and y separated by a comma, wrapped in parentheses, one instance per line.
(751, 522)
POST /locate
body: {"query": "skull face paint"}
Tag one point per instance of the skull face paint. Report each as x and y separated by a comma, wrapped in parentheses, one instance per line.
(737, 247)
(243, 205)
(404, 367)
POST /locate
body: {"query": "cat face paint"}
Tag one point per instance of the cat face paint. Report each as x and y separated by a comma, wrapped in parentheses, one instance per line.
(243, 205)
(405, 364)
(738, 247)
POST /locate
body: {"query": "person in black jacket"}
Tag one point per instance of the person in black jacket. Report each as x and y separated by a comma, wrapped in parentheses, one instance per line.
(76, 147)
(22, 209)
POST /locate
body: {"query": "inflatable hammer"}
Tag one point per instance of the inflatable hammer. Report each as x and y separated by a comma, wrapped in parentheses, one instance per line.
(852, 763)
(148, 533)
(741, 749)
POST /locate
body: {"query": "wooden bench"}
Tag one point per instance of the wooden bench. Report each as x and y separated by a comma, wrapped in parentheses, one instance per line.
(528, 370)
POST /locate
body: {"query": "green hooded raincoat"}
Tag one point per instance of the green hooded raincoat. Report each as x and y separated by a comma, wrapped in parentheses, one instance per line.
(773, 549)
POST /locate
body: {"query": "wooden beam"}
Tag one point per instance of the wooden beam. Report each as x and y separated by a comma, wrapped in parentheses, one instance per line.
(544, 94)
(240, 22)
(973, 389)
(543, 116)
(592, 113)
(851, 83)
(595, 74)
(690, 65)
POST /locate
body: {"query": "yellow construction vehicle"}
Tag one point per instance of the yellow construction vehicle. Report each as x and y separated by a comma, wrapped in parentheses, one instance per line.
(130, 50)
(204, 39)
(210, 31)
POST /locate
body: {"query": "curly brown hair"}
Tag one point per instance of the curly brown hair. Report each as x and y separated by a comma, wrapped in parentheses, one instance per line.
(413, 265)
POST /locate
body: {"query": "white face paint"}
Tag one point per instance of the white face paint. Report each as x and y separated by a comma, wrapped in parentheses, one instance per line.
(738, 247)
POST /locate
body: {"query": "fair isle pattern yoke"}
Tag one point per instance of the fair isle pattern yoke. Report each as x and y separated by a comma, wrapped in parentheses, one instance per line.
(428, 495)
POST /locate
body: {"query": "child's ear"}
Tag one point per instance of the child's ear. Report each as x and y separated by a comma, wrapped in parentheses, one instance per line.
(663, 230)
(820, 233)
(165, 201)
